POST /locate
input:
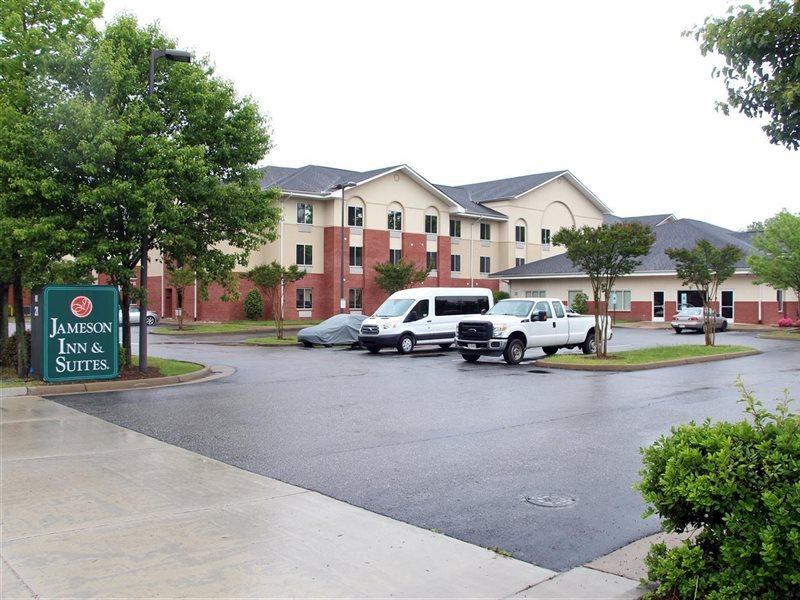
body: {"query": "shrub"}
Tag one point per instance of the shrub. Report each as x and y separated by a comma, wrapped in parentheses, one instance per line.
(580, 303)
(785, 322)
(737, 485)
(8, 354)
(500, 295)
(253, 305)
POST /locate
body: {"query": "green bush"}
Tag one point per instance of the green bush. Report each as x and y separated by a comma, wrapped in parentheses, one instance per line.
(499, 295)
(253, 305)
(8, 354)
(580, 303)
(737, 485)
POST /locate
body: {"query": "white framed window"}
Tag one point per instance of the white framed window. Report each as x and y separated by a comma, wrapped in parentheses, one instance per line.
(623, 298)
(395, 256)
(571, 296)
(518, 262)
(304, 299)
(545, 237)
(305, 255)
(395, 220)
(355, 216)
(535, 294)
(305, 213)
(355, 300)
(485, 264)
(779, 299)
(431, 224)
(519, 233)
(430, 260)
(486, 231)
(455, 263)
(455, 228)
(356, 256)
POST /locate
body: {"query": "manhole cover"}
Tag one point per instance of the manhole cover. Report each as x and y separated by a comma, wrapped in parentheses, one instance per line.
(540, 371)
(550, 500)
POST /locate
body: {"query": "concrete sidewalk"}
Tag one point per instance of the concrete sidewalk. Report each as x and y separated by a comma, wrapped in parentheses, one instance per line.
(91, 509)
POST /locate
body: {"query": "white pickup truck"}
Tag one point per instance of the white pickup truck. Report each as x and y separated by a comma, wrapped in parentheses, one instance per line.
(513, 326)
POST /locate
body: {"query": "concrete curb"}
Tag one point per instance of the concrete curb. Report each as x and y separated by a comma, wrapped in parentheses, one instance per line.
(226, 333)
(775, 336)
(105, 386)
(643, 367)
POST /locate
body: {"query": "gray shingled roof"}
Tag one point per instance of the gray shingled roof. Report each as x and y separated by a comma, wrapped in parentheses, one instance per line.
(681, 233)
(651, 220)
(316, 179)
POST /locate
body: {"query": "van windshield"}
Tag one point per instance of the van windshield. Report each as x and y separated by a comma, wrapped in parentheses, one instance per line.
(514, 308)
(393, 308)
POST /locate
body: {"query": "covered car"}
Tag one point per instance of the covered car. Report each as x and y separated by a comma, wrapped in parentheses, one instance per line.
(339, 329)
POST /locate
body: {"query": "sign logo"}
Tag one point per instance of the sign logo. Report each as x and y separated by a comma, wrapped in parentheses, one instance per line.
(81, 307)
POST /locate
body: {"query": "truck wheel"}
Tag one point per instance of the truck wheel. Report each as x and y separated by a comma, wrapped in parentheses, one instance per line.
(514, 352)
(588, 346)
(550, 350)
(470, 358)
(373, 349)
(405, 344)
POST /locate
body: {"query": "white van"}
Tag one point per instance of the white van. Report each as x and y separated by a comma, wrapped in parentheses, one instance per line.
(422, 316)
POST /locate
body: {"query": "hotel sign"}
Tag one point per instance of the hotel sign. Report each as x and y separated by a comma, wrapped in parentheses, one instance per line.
(75, 332)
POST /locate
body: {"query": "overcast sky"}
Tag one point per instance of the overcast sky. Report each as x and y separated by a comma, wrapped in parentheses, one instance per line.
(473, 91)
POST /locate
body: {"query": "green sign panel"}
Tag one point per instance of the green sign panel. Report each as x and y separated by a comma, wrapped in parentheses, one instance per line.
(79, 329)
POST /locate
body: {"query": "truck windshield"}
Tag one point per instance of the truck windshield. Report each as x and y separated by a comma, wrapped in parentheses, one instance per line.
(514, 308)
(393, 308)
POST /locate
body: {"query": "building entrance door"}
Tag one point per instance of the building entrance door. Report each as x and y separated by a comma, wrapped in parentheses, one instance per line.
(167, 303)
(658, 306)
(726, 304)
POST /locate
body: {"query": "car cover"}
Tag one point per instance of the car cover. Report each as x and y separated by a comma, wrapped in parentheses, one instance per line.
(339, 329)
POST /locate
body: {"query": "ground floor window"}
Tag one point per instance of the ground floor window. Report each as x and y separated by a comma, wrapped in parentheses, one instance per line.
(779, 298)
(304, 298)
(356, 298)
(620, 300)
(571, 296)
(486, 264)
(535, 293)
(395, 256)
(430, 258)
(455, 263)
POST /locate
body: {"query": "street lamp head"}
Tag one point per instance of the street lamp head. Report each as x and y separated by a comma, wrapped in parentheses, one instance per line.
(343, 186)
(178, 55)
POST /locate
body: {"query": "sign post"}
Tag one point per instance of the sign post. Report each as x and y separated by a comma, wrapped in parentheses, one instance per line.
(75, 332)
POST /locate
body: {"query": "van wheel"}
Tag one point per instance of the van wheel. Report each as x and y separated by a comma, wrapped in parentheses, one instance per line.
(445, 346)
(373, 349)
(588, 346)
(550, 350)
(514, 352)
(405, 344)
(470, 358)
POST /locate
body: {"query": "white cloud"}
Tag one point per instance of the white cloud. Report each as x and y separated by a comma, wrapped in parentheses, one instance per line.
(471, 91)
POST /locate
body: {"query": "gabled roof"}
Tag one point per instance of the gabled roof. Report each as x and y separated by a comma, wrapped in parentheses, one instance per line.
(316, 180)
(652, 220)
(678, 233)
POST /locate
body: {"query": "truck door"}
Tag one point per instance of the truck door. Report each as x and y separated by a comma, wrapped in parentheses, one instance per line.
(560, 324)
(541, 333)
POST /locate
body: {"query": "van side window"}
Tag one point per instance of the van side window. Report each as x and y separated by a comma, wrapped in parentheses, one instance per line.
(545, 306)
(420, 311)
(559, 308)
(473, 305)
(460, 305)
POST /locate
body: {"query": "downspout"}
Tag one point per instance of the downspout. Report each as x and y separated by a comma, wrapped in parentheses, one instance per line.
(194, 303)
(280, 257)
(472, 252)
(760, 294)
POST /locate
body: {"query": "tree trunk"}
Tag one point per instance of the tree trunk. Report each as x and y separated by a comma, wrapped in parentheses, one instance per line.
(3, 315)
(708, 327)
(126, 326)
(19, 321)
(597, 333)
(276, 315)
(179, 292)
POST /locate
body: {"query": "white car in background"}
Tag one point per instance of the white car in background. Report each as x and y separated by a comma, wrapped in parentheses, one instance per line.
(136, 315)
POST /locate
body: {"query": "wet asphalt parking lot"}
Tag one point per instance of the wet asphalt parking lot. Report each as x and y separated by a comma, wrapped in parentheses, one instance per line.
(460, 448)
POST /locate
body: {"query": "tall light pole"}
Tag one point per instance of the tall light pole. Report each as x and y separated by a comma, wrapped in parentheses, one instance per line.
(175, 56)
(342, 187)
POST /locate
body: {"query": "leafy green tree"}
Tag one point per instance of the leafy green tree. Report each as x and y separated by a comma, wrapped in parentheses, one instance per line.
(173, 171)
(755, 227)
(761, 72)
(253, 305)
(500, 295)
(777, 262)
(42, 50)
(605, 253)
(580, 303)
(272, 280)
(704, 267)
(393, 277)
